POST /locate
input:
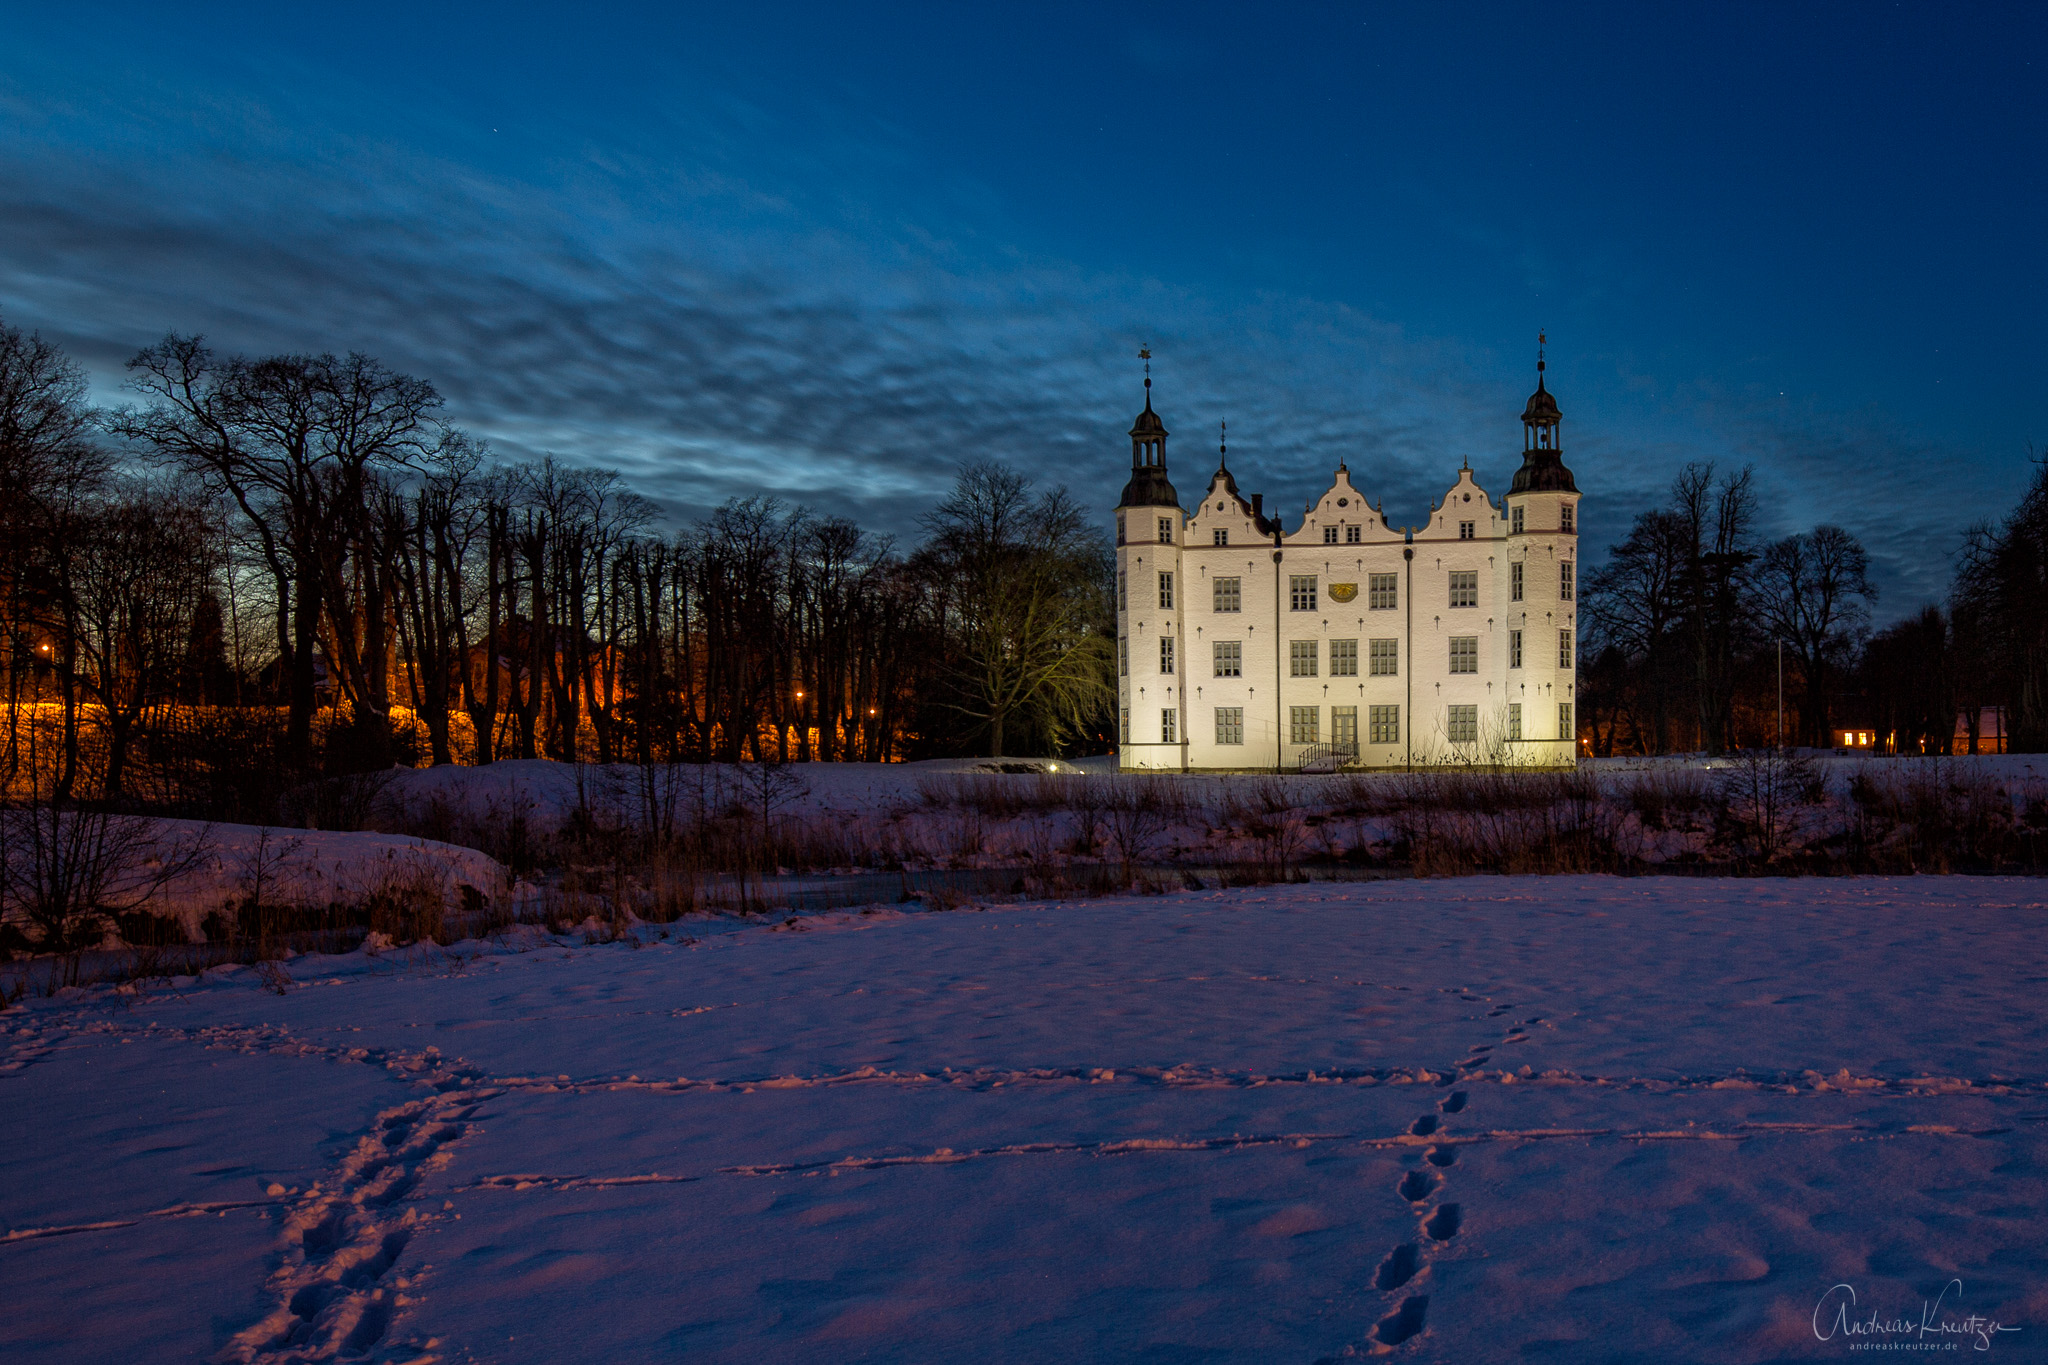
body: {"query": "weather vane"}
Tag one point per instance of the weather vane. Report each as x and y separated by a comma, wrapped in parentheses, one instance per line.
(1145, 354)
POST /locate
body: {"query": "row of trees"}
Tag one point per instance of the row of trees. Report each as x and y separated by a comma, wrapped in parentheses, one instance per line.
(304, 540)
(1694, 625)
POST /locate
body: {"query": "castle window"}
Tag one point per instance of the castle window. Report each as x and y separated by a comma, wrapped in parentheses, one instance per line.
(1343, 658)
(1515, 519)
(1383, 591)
(1564, 581)
(1119, 528)
(1564, 649)
(1465, 529)
(1220, 536)
(1166, 654)
(1464, 654)
(1462, 725)
(1166, 592)
(1303, 724)
(1230, 725)
(1514, 720)
(1301, 658)
(1123, 657)
(1122, 596)
(1168, 725)
(1301, 592)
(1344, 727)
(1351, 535)
(1515, 579)
(1166, 530)
(1383, 724)
(1384, 658)
(1564, 517)
(1465, 588)
(1123, 724)
(1514, 649)
(1229, 659)
(1564, 720)
(1329, 535)
(1228, 596)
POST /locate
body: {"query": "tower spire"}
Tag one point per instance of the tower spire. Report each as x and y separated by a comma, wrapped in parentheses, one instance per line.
(1145, 354)
(1222, 445)
(1540, 340)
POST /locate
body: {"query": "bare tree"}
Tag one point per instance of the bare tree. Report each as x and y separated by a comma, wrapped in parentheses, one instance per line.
(1025, 587)
(1812, 592)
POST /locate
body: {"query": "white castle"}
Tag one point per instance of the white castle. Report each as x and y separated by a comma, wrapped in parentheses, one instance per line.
(1347, 642)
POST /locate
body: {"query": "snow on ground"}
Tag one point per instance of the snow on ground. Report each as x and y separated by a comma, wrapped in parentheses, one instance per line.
(305, 868)
(1582, 1119)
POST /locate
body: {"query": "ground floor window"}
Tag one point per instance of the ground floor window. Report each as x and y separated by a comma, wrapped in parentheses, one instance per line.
(1385, 723)
(1303, 722)
(1564, 720)
(1167, 726)
(1514, 720)
(1463, 726)
(1230, 725)
(1344, 725)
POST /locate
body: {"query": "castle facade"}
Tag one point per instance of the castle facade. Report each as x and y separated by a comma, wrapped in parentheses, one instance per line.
(1348, 642)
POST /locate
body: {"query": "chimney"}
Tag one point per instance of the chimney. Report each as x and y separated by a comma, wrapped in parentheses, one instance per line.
(1258, 504)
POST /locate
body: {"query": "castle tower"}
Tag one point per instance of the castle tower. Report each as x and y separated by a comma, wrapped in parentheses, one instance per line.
(1150, 599)
(1542, 507)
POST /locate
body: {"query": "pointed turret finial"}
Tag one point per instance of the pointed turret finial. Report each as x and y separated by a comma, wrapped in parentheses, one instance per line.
(1145, 354)
(1540, 340)
(1222, 444)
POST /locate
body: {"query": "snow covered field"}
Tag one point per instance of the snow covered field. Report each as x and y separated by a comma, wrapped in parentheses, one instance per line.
(1579, 1119)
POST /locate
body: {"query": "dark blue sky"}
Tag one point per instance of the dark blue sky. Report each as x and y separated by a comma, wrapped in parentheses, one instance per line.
(829, 252)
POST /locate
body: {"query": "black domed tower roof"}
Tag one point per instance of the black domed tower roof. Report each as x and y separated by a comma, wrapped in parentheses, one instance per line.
(1543, 468)
(1149, 486)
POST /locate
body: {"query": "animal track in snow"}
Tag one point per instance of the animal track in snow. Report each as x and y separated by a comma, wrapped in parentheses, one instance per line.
(1444, 1223)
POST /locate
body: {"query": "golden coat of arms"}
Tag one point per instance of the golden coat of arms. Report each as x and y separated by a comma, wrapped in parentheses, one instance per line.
(1343, 592)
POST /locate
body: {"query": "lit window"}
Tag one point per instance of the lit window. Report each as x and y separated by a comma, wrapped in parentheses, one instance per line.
(1301, 658)
(1343, 658)
(1229, 659)
(1384, 724)
(1227, 594)
(1465, 588)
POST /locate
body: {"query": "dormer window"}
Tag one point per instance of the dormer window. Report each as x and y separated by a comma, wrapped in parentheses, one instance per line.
(1329, 535)
(1465, 530)
(1351, 536)
(1220, 536)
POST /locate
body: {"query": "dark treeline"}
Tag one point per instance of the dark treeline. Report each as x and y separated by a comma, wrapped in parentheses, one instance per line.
(261, 570)
(1688, 621)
